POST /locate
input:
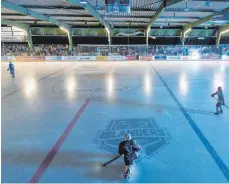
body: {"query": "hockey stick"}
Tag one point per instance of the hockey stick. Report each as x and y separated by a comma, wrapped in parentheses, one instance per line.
(222, 104)
(110, 161)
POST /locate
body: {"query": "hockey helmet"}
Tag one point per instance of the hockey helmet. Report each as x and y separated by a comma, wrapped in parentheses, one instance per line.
(127, 137)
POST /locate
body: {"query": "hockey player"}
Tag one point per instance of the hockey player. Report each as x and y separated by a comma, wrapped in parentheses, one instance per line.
(131, 151)
(220, 100)
(11, 69)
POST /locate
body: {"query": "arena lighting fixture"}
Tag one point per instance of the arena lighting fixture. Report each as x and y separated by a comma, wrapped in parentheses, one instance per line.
(208, 3)
(83, 1)
(65, 30)
(187, 31)
(200, 38)
(23, 30)
(224, 31)
(147, 31)
(186, 7)
(108, 32)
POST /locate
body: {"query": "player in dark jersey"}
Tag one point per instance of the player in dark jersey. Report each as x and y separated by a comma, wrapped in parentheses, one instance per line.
(131, 151)
(220, 100)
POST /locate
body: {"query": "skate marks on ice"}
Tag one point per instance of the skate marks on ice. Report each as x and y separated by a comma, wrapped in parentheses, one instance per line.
(159, 109)
(96, 83)
(85, 164)
(146, 131)
(221, 165)
(43, 78)
(199, 111)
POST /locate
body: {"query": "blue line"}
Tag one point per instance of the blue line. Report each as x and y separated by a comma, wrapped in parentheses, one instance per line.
(222, 166)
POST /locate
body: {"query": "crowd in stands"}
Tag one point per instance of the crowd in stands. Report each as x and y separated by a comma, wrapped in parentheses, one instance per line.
(104, 50)
(38, 50)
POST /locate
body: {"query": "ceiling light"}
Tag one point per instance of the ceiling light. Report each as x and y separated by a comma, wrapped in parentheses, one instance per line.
(224, 31)
(186, 7)
(83, 1)
(208, 3)
(187, 31)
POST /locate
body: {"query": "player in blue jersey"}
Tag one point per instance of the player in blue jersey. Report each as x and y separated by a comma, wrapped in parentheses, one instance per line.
(11, 69)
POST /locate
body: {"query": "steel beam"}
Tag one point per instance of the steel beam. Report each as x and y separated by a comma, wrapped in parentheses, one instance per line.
(159, 11)
(214, 0)
(188, 27)
(221, 31)
(109, 16)
(26, 11)
(14, 23)
(92, 11)
(203, 20)
(31, 13)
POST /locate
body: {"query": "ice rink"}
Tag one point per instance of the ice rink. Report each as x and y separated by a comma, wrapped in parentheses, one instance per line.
(61, 119)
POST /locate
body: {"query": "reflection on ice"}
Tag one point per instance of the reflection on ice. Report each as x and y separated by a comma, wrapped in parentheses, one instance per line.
(183, 84)
(30, 86)
(110, 85)
(147, 84)
(218, 80)
(71, 86)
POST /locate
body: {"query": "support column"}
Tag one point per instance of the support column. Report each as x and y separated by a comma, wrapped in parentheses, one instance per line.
(182, 39)
(68, 30)
(147, 39)
(30, 40)
(70, 41)
(218, 40)
(110, 42)
(220, 32)
(109, 38)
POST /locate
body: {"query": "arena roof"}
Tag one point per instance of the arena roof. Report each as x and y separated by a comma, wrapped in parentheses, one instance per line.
(178, 13)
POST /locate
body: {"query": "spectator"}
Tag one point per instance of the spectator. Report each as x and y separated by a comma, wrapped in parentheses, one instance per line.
(63, 50)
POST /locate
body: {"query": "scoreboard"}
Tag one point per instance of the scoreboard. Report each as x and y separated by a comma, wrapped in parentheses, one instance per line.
(122, 6)
(12, 34)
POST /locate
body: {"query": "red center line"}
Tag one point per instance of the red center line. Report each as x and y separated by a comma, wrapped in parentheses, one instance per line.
(47, 161)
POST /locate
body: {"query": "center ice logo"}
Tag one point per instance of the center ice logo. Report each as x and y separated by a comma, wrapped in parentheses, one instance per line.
(97, 83)
(147, 132)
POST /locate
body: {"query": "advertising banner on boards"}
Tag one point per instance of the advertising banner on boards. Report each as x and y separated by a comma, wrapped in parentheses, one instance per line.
(87, 58)
(130, 57)
(160, 57)
(7, 58)
(29, 59)
(50, 58)
(70, 58)
(117, 58)
(174, 57)
(146, 58)
(101, 58)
